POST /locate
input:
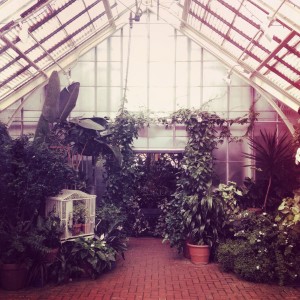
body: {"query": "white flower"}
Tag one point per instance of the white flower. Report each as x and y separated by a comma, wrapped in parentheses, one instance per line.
(295, 275)
(257, 267)
(274, 225)
(264, 214)
(291, 246)
(258, 240)
(92, 245)
(265, 250)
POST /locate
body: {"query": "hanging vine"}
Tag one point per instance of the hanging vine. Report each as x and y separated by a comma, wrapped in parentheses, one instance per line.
(193, 214)
(121, 180)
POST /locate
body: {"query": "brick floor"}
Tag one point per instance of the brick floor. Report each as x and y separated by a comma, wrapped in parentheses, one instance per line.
(153, 271)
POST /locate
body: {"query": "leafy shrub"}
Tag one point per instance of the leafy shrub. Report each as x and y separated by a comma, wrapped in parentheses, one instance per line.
(260, 251)
(82, 257)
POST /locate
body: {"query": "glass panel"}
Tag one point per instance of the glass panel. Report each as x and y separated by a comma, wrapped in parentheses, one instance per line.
(159, 53)
(213, 74)
(216, 98)
(181, 48)
(84, 73)
(137, 99)
(102, 99)
(195, 77)
(86, 100)
(240, 99)
(161, 74)
(181, 74)
(237, 172)
(161, 99)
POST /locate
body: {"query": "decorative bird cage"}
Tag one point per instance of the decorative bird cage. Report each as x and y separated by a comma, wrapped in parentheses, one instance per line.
(76, 211)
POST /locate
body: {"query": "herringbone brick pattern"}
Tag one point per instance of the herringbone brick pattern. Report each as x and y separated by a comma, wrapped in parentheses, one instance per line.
(153, 271)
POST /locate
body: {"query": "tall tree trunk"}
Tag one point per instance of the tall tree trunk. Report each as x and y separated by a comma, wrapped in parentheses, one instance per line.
(267, 193)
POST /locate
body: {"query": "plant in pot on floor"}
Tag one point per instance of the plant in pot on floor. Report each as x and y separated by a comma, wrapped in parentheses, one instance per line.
(199, 215)
(52, 229)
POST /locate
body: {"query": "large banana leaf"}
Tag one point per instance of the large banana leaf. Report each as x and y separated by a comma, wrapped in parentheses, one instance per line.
(50, 107)
(67, 100)
(88, 124)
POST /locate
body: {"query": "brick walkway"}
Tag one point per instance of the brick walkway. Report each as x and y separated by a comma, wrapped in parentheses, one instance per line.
(154, 271)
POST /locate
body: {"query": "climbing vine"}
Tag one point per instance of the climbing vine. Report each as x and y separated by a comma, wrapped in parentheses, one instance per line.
(205, 131)
(193, 214)
(121, 180)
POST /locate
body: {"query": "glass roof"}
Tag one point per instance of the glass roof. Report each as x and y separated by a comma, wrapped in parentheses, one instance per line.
(258, 41)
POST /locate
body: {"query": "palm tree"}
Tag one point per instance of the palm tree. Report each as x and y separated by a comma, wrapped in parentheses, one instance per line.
(273, 157)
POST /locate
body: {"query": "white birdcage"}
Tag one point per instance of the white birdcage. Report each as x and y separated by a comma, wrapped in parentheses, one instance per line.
(76, 211)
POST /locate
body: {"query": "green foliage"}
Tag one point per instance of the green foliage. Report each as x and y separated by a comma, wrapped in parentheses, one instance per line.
(51, 228)
(80, 212)
(67, 100)
(260, 250)
(83, 257)
(86, 136)
(230, 195)
(288, 214)
(273, 158)
(121, 180)
(30, 172)
(199, 213)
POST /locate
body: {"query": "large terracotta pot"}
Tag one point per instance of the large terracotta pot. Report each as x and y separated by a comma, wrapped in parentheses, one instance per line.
(13, 276)
(199, 254)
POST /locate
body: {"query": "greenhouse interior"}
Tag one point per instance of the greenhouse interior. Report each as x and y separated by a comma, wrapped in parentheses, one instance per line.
(150, 149)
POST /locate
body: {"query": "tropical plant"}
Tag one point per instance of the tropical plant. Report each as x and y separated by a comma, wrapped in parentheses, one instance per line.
(121, 181)
(80, 212)
(31, 172)
(51, 228)
(83, 256)
(199, 213)
(114, 236)
(261, 251)
(288, 214)
(273, 159)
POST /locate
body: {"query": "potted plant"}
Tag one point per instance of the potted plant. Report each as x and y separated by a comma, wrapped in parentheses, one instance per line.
(52, 229)
(30, 172)
(14, 262)
(196, 216)
(80, 218)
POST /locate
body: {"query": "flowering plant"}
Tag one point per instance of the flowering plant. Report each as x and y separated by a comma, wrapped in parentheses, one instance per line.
(260, 251)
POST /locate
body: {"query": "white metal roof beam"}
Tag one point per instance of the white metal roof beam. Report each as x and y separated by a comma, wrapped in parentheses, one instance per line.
(109, 13)
(67, 61)
(288, 11)
(229, 60)
(185, 11)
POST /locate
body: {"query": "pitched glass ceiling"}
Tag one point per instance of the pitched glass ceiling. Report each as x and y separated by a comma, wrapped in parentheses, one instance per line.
(257, 39)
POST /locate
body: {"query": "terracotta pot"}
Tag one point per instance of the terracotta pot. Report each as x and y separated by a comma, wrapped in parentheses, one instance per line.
(50, 257)
(86, 228)
(76, 229)
(199, 254)
(13, 276)
(186, 252)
